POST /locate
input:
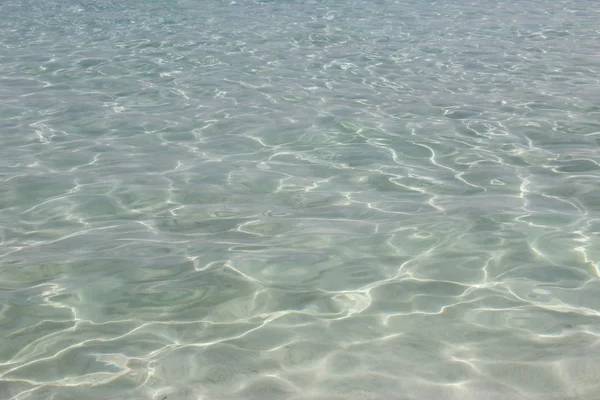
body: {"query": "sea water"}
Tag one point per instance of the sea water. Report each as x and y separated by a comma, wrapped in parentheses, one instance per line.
(299, 199)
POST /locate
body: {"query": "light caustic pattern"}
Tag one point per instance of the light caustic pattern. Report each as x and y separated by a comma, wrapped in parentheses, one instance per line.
(299, 199)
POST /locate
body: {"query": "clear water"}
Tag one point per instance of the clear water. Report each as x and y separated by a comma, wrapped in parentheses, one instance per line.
(304, 199)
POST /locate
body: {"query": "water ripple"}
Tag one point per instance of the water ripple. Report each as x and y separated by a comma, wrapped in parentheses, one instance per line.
(308, 199)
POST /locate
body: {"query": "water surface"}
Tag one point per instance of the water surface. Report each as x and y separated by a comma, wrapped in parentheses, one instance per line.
(299, 199)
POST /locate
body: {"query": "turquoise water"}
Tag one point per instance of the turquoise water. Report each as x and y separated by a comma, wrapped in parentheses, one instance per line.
(328, 199)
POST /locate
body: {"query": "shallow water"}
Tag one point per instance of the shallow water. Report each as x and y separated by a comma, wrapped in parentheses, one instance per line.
(299, 199)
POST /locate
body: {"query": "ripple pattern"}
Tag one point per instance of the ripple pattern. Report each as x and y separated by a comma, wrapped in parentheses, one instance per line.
(299, 199)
